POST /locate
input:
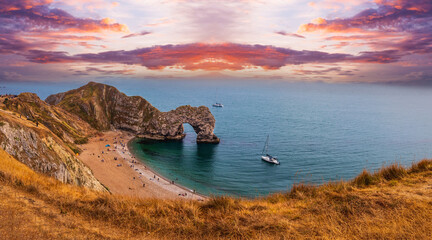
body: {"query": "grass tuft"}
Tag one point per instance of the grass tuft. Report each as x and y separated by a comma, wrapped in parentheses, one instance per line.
(221, 203)
(422, 166)
(394, 171)
(364, 179)
(301, 191)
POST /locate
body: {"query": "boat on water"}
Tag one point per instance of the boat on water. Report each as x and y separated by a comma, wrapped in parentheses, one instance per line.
(217, 105)
(267, 157)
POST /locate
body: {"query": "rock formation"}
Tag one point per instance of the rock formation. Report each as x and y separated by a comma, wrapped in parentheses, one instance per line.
(69, 127)
(104, 108)
(43, 151)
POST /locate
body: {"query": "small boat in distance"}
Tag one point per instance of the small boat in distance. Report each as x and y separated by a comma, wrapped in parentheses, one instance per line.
(217, 105)
(267, 157)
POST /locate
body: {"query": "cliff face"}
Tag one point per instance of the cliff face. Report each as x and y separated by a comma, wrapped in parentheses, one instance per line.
(66, 126)
(104, 107)
(43, 151)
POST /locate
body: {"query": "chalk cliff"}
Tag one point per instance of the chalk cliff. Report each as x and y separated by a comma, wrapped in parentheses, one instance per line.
(104, 107)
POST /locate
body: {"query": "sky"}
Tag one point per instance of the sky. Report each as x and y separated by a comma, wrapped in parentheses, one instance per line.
(290, 40)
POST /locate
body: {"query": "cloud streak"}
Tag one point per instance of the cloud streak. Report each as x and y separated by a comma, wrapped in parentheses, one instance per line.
(200, 56)
(28, 15)
(283, 33)
(143, 33)
(27, 24)
(391, 15)
(404, 25)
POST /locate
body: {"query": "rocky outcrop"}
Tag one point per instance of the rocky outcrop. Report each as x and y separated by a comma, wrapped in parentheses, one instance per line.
(104, 107)
(69, 127)
(43, 151)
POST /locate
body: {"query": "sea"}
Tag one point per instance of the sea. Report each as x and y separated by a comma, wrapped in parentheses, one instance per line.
(320, 132)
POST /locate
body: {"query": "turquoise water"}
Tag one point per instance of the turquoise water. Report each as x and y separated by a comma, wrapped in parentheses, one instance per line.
(320, 132)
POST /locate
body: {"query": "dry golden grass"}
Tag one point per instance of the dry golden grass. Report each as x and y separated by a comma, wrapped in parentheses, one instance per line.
(392, 203)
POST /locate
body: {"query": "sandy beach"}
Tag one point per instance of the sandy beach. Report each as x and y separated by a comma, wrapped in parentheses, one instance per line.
(108, 156)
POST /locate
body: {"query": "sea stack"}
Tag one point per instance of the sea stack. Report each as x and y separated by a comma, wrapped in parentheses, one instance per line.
(104, 107)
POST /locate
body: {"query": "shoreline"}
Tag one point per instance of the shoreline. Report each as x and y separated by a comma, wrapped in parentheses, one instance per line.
(113, 164)
(192, 191)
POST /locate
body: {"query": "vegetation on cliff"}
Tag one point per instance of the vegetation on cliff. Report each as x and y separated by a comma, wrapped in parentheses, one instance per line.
(67, 126)
(35, 145)
(395, 203)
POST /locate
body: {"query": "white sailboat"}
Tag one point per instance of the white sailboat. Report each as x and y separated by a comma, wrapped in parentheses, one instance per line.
(217, 105)
(267, 157)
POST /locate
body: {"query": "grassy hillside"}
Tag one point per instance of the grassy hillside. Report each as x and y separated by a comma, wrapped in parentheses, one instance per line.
(393, 203)
(68, 127)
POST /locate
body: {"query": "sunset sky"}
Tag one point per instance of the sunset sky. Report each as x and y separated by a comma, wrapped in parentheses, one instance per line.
(296, 40)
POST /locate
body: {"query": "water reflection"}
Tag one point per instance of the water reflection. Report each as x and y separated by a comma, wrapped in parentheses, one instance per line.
(203, 161)
(206, 152)
(172, 151)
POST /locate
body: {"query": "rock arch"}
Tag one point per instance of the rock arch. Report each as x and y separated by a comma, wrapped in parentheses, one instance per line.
(201, 120)
(169, 125)
(104, 107)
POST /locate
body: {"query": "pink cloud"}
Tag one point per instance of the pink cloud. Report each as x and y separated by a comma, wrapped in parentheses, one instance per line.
(395, 24)
(200, 56)
(390, 15)
(33, 24)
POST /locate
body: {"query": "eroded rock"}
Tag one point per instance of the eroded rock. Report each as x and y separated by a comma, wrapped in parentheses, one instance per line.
(43, 151)
(104, 107)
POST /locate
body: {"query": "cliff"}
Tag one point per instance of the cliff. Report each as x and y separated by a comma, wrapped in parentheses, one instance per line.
(68, 127)
(43, 151)
(104, 107)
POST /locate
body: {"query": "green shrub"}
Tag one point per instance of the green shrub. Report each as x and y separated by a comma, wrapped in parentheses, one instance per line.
(80, 141)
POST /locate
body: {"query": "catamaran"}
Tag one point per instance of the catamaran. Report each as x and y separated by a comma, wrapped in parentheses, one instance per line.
(217, 105)
(267, 157)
